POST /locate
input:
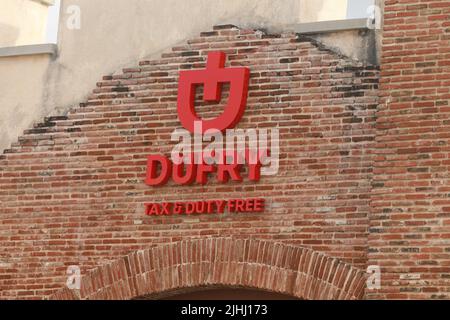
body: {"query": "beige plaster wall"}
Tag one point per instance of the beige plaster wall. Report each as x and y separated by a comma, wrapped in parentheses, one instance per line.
(23, 22)
(21, 99)
(323, 10)
(118, 33)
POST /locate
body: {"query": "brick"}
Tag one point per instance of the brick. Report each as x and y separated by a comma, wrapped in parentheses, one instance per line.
(395, 125)
(80, 181)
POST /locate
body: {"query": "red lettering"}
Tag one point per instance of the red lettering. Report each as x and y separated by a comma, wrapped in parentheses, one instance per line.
(220, 205)
(226, 171)
(190, 208)
(202, 172)
(178, 208)
(210, 208)
(200, 207)
(153, 209)
(231, 205)
(240, 204)
(153, 179)
(166, 208)
(160, 168)
(254, 165)
(182, 177)
(205, 207)
(213, 77)
(259, 205)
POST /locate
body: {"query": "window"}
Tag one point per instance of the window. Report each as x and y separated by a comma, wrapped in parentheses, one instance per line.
(53, 22)
(358, 9)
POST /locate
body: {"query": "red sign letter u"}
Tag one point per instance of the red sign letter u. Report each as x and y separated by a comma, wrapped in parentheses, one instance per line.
(212, 78)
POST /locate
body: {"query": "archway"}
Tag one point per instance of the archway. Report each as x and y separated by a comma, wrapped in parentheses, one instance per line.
(220, 294)
(234, 263)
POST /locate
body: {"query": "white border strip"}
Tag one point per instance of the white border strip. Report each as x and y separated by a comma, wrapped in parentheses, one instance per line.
(330, 26)
(35, 49)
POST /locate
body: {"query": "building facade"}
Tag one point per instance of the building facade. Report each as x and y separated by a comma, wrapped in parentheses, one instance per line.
(361, 191)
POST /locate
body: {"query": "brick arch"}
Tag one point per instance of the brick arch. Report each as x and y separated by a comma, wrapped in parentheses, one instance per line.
(255, 264)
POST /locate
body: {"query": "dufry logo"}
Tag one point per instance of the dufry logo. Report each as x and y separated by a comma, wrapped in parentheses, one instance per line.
(189, 162)
(212, 77)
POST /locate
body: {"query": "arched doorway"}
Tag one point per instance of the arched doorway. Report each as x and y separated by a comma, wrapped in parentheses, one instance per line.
(219, 294)
(251, 264)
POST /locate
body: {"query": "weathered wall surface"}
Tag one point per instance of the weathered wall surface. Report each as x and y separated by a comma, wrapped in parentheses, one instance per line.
(410, 219)
(146, 28)
(72, 191)
(359, 45)
(115, 32)
(20, 99)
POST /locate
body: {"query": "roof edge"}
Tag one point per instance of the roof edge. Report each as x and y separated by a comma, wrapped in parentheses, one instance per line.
(34, 49)
(330, 26)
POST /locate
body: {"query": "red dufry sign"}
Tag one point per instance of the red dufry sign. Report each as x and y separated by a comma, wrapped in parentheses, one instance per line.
(205, 207)
(197, 169)
(212, 77)
(160, 169)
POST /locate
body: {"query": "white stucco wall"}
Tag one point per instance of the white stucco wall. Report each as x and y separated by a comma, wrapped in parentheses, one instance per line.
(119, 33)
(21, 80)
(23, 22)
(323, 10)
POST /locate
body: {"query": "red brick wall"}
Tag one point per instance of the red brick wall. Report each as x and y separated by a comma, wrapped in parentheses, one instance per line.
(72, 189)
(410, 217)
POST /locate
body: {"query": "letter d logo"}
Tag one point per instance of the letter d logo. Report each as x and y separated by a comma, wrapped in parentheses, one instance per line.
(213, 77)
